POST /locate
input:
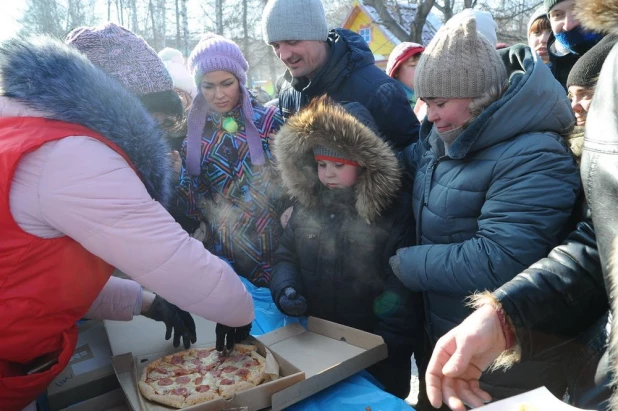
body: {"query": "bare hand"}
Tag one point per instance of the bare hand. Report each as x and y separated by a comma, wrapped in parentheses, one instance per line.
(459, 359)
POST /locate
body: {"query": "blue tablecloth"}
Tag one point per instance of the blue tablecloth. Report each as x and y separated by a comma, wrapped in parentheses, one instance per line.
(354, 393)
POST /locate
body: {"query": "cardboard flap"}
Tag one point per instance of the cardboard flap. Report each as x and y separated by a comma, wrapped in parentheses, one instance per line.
(123, 335)
(344, 333)
(326, 352)
(322, 346)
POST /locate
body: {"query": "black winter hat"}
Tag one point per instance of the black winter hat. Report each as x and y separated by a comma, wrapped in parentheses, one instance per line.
(550, 3)
(587, 69)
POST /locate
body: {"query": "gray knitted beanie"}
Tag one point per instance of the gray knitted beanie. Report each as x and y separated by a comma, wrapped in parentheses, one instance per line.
(550, 3)
(294, 20)
(123, 55)
(458, 63)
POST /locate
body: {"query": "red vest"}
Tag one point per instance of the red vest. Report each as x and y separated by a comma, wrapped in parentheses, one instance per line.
(46, 285)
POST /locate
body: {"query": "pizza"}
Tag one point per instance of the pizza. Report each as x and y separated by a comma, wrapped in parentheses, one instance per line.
(198, 375)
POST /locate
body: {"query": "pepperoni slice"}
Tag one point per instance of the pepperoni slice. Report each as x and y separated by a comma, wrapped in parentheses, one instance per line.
(180, 391)
(176, 359)
(165, 381)
(203, 354)
(239, 358)
(230, 368)
(251, 363)
(183, 380)
(196, 361)
(202, 388)
(208, 367)
(160, 371)
(226, 381)
(243, 372)
(178, 372)
(216, 373)
(198, 381)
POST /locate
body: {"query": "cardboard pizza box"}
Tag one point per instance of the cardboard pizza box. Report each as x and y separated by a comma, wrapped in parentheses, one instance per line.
(89, 372)
(111, 401)
(310, 359)
(536, 400)
(128, 367)
(326, 352)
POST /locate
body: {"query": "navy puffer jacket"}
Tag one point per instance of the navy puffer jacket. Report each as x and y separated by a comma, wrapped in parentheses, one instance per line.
(351, 75)
(498, 202)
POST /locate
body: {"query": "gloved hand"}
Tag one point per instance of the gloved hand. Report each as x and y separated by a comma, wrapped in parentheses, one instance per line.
(175, 320)
(292, 303)
(228, 336)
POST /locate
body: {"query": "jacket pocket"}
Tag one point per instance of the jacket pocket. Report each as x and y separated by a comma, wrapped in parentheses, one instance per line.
(307, 249)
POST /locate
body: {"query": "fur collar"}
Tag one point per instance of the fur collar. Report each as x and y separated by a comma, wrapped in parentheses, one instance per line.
(598, 15)
(328, 124)
(575, 140)
(49, 76)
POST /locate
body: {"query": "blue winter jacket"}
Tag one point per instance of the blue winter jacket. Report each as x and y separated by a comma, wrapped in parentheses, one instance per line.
(498, 202)
(350, 74)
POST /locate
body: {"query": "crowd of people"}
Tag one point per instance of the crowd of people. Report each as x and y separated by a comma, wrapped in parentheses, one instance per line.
(460, 204)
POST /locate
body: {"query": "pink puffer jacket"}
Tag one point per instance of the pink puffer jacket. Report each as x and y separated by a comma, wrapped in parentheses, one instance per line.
(79, 187)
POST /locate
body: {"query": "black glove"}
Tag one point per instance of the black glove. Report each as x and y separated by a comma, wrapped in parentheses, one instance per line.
(175, 319)
(229, 336)
(292, 303)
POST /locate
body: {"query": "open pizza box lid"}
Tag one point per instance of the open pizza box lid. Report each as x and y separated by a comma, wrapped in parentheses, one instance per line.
(326, 352)
(310, 360)
(535, 400)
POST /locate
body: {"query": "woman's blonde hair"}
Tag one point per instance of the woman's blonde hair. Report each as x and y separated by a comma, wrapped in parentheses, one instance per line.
(479, 104)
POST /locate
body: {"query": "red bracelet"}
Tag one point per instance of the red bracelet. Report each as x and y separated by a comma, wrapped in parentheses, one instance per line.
(507, 330)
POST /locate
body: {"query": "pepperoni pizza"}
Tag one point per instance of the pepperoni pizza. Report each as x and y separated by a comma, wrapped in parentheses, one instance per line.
(201, 374)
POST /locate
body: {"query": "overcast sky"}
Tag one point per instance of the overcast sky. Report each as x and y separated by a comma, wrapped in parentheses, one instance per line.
(10, 11)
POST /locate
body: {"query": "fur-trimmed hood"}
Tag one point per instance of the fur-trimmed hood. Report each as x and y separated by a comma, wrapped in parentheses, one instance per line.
(51, 77)
(598, 15)
(328, 124)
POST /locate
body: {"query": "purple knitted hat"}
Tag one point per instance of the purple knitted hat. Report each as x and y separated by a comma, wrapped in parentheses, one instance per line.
(216, 53)
(123, 55)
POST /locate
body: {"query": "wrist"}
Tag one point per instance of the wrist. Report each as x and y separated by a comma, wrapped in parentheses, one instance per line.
(147, 300)
(487, 301)
(507, 328)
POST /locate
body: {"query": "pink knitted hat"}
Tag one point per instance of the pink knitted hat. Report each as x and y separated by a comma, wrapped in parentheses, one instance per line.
(123, 55)
(216, 53)
(400, 54)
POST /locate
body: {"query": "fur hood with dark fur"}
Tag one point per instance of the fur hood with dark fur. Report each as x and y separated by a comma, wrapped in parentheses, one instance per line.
(328, 124)
(598, 15)
(50, 76)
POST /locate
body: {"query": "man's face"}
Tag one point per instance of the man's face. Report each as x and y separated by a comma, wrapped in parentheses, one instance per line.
(302, 57)
(562, 17)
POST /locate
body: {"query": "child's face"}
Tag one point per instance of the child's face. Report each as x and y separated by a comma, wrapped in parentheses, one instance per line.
(337, 175)
(406, 71)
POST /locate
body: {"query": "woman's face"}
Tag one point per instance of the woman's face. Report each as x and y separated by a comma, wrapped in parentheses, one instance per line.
(580, 97)
(221, 90)
(448, 113)
(537, 40)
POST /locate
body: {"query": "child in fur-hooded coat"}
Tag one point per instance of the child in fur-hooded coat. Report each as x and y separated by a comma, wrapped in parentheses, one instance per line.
(331, 261)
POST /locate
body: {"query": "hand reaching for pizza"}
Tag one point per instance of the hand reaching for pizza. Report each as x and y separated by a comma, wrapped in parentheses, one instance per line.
(292, 302)
(175, 319)
(228, 336)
